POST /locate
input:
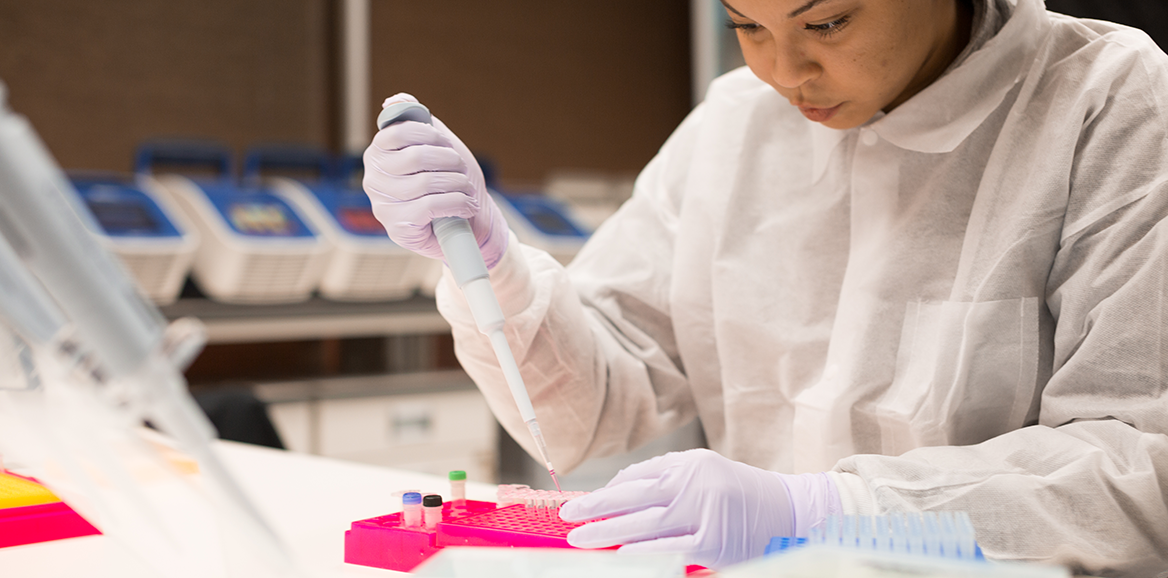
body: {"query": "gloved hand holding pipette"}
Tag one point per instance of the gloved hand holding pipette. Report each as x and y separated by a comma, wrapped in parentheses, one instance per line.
(713, 510)
(430, 195)
(416, 172)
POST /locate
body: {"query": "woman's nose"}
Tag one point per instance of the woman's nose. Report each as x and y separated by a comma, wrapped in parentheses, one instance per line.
(792, 68)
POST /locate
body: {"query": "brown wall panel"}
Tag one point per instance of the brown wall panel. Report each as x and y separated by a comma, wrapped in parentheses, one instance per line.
(97, 78)
(535, 85)
(540, 85)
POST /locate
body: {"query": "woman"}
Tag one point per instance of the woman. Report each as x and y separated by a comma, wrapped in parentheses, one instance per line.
(914, 258)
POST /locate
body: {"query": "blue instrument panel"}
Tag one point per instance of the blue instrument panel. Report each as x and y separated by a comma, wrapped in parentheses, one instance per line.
(546, 215)
(351, 210)
(124, 211)
(256, 212)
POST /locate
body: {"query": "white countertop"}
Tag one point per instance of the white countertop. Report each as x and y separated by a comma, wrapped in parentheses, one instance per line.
(309, 500)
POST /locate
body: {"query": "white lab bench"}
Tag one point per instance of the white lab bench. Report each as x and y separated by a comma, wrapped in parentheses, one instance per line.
(309, 500)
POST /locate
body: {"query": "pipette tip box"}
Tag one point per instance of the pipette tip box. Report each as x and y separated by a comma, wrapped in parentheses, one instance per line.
(938, 535)
(30, 513)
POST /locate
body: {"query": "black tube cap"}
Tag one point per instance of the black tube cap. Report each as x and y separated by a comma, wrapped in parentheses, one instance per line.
(431, 501)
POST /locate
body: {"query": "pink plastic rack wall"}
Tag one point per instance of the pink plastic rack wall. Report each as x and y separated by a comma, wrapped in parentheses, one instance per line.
(35, 523)
(384, 542)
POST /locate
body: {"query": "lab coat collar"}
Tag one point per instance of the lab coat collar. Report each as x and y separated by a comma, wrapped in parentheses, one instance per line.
(823, 141)
(940, 117)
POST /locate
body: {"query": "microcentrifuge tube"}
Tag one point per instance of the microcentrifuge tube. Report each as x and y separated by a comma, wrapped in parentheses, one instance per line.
(457, 487)
(432, 511)
(411, 509)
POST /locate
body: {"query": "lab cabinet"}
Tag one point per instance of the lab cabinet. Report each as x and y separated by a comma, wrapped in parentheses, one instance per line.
(294, 422)
(414, 412)
(429, 422)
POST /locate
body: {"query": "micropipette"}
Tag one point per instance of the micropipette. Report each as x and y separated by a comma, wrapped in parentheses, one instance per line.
(465, 260)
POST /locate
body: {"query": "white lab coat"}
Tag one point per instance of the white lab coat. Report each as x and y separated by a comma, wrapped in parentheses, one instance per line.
(962, 305)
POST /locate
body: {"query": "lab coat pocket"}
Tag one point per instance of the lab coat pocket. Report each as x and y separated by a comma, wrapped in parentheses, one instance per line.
(965, 372)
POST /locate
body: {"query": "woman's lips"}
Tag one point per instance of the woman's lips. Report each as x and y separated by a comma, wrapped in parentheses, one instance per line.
(819, 114)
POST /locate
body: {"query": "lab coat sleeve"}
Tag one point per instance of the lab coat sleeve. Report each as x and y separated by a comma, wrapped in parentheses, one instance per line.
(1087, 486)
(594, 342)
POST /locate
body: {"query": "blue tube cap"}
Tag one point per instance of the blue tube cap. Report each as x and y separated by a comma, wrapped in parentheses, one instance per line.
(411, 498)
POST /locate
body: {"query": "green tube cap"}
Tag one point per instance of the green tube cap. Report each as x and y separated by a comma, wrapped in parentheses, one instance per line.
(456, 475)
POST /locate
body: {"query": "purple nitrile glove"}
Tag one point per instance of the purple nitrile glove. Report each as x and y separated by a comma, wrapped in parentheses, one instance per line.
(417, 172)
(715, 511)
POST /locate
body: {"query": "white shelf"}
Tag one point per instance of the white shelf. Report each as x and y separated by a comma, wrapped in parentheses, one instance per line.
(313, 319)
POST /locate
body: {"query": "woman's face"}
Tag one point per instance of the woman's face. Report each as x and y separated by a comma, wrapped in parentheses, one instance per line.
(842, 61)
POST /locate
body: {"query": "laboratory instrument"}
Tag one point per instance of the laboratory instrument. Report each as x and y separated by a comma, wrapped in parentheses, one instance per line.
(593, 196)
(255, 246)
(148, 233)
(365, 265)
(463, 257)
(543, 222)
(105, 362)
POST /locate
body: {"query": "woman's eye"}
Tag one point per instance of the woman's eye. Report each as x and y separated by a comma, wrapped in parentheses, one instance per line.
(747, 27)
(828, 29)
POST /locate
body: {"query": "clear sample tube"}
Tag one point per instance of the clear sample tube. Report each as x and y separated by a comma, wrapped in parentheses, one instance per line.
(432, 511)
(517, 494)
(457, 487)
(411, 509)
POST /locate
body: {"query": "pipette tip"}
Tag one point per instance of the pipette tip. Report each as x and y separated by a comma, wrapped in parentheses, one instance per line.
(552, 473)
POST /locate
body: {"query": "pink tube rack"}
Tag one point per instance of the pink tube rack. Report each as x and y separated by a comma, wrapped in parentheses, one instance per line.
(383, 542)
